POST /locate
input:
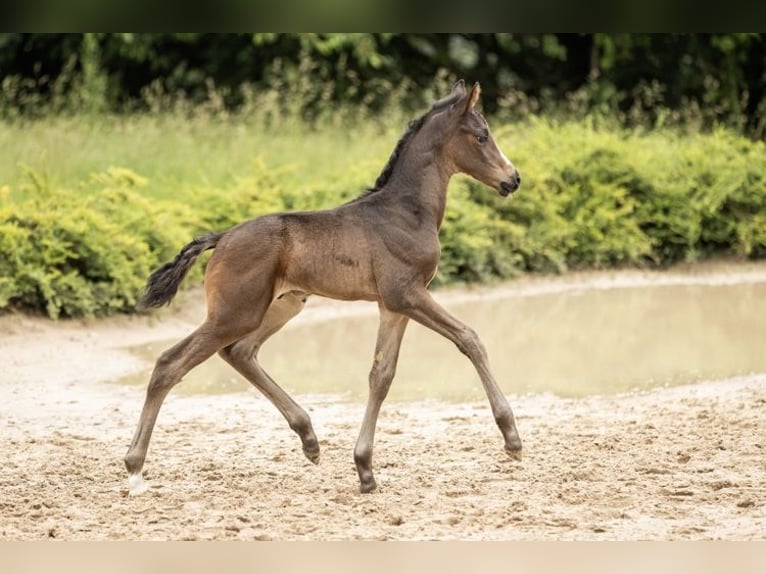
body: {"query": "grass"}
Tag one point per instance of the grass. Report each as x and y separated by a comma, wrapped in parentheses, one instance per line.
(174, 152)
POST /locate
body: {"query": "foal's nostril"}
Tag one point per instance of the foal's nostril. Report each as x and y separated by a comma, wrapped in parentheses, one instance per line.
(518, 178)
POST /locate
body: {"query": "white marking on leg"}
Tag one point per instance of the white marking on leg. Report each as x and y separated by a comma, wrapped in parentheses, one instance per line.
(136, 484)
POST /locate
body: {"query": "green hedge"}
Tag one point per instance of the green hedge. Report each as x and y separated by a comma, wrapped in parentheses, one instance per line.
(596, 198)
(590, 198)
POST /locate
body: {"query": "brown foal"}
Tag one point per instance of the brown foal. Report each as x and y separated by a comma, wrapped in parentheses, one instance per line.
(382, 246)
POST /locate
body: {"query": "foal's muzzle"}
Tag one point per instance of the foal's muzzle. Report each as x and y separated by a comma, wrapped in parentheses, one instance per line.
(508, 187)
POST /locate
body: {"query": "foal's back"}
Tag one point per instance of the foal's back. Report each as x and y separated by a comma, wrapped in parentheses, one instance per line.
(324, 252)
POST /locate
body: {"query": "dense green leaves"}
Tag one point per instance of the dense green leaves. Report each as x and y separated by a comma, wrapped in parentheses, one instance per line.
(606, 197)
(637, 79)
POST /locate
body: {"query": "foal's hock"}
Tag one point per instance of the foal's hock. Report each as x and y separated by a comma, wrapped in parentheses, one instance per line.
(383, 246)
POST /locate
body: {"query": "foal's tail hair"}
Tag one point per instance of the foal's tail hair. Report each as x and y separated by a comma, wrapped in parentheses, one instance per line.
(163, 283)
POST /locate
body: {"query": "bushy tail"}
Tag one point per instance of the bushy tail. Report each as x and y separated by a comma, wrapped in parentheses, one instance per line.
(163, 283)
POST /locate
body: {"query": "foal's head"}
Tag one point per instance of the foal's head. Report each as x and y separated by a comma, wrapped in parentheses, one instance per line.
(469, 146)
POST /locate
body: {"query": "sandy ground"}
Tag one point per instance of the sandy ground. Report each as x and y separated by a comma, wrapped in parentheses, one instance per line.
(674, 463)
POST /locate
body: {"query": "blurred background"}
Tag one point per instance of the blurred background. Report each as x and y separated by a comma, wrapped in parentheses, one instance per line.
(637, 79)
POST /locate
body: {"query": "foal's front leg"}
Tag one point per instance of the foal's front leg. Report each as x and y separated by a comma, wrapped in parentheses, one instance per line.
(420, 306)
(390, 333)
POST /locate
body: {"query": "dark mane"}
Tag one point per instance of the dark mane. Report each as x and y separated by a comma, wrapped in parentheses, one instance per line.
(412, 128)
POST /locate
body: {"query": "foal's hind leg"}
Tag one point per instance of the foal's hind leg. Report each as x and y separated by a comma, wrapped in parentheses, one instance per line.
(171, 366)
(242, 355)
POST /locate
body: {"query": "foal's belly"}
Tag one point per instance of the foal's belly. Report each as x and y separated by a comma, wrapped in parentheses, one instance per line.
(337, 275)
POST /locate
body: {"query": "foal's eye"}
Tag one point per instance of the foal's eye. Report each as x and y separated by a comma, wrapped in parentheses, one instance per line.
(482, 138)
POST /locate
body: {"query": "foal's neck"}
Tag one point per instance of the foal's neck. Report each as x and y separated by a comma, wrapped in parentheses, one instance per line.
(422, 180)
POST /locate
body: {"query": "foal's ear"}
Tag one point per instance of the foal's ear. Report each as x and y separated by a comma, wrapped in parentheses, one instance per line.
(455, 96)
(458, 90)
(473, 97)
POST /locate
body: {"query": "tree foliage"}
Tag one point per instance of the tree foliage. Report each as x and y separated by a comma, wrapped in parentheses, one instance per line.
(712, 79)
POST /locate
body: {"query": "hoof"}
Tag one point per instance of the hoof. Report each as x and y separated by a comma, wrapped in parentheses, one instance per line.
(368, 488)
(312, 456)
(515, 454)
(136, 485)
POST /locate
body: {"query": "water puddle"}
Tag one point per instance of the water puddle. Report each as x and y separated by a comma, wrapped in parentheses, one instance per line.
(571, 341)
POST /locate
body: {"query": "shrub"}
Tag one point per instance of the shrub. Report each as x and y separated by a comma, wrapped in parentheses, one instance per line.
(69, 256)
